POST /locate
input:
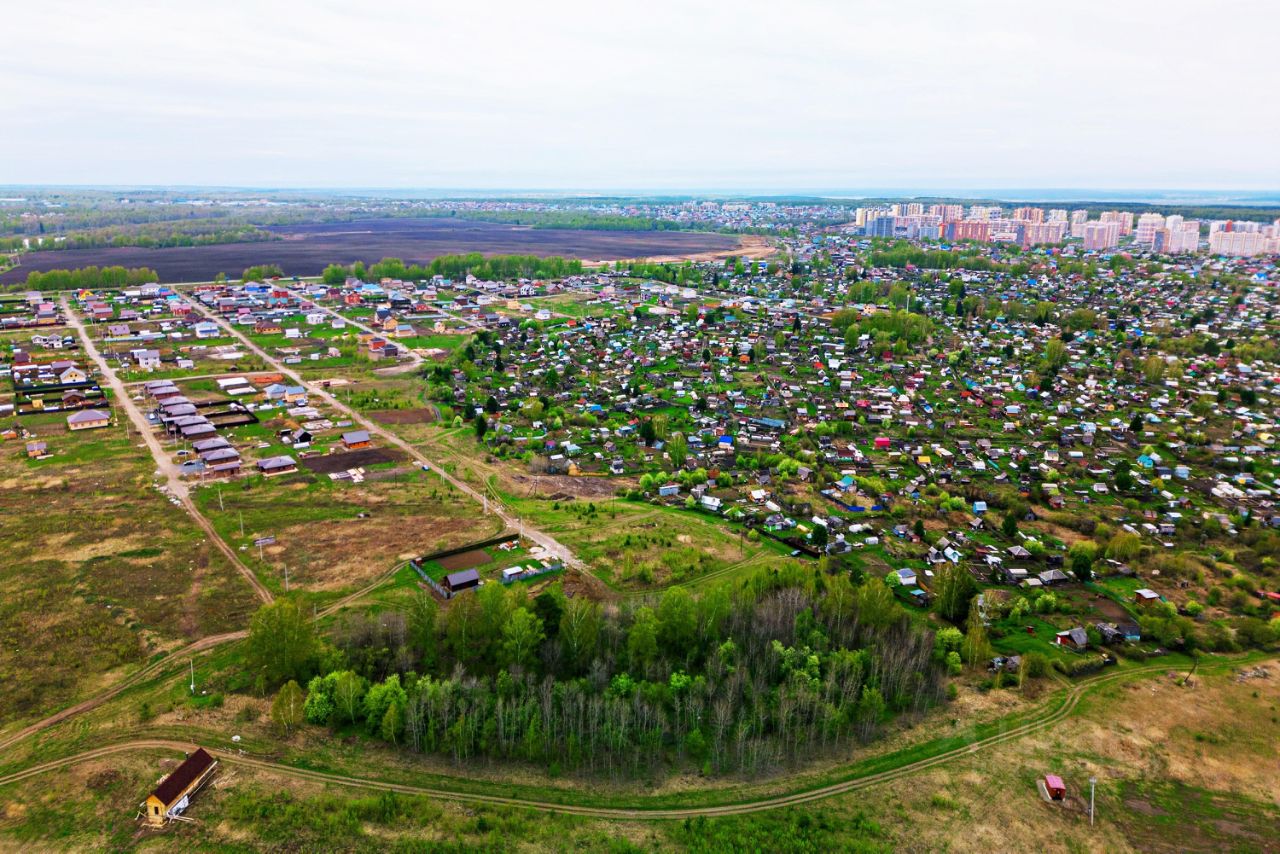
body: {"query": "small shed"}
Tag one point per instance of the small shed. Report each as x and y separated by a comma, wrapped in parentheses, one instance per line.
(1075, 638)
(1055, 787)
(173, 795)
(1145, 596)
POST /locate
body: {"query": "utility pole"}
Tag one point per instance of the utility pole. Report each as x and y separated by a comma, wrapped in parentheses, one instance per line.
(192, 662)
(220, 507)
(286, 578)
(1093, 782)
(241, 514)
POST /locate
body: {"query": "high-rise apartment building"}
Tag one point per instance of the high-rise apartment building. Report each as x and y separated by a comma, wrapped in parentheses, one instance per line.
(1148, 223)
(1100, 236)
(1124, 219)
(1029, 214)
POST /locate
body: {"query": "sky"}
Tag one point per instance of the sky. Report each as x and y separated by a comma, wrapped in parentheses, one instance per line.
(653, 95)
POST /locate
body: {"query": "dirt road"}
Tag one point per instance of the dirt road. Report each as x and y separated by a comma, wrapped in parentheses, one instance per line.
(549, 543)
(1056, 709)
(415, 358)
(171, 661)
(165, 466)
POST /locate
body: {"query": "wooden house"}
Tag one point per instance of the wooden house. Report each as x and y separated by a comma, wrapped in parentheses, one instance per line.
(277, 465)
(356, 439)
(466, 579)
(1145, 596)
(173, 795)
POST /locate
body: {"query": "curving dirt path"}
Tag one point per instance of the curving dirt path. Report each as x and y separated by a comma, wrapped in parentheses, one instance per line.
(549, 543)
(165, 465)
(172, 660)
(1063, 710)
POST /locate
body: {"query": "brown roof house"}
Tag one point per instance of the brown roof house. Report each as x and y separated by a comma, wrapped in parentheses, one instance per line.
(173, 795)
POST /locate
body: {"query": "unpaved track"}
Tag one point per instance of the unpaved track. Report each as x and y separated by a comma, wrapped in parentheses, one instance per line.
(176, 486)
(549, 543)
(171, 660)
(1063, 710)
(415, 358)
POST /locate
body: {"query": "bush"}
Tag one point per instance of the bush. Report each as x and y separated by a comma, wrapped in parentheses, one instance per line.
(1034, 665)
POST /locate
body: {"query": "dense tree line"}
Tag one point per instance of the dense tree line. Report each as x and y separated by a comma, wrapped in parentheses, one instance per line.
(904, 254)
(776, 670)
(489, 267)
(90, 277)
(585, 220)
(164, 235)
(261, 272)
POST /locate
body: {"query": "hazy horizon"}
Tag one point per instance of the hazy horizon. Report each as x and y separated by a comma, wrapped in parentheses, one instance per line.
(1033, 195)
(661, 97)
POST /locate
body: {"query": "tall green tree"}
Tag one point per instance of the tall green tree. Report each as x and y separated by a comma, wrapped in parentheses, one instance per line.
(521, 637)
(580, 631)
(287, 709)
(334, 274)
(677, 622)
(642, 639)
(281, 643)
(955, 588)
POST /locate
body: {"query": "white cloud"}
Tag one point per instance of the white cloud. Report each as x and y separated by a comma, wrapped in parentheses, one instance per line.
(658, 94)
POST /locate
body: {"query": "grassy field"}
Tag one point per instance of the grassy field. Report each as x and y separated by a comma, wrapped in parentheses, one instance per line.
(335, 537)
(1193, 771)
(100, 569)
(635, 546)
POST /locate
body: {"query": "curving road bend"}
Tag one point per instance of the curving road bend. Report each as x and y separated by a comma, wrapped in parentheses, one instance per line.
(156, 667)
(636, 813)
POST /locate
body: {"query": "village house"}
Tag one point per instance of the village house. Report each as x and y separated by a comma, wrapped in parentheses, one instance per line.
(173, 795)
(88, 419)
(356, 439)
(277, 465)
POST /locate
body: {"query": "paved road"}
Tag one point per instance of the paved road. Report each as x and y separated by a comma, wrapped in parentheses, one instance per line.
(1056, 709)
(549, 543)
(165, 465)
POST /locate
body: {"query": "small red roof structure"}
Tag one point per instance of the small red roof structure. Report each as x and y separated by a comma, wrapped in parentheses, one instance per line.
(1053, 783)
